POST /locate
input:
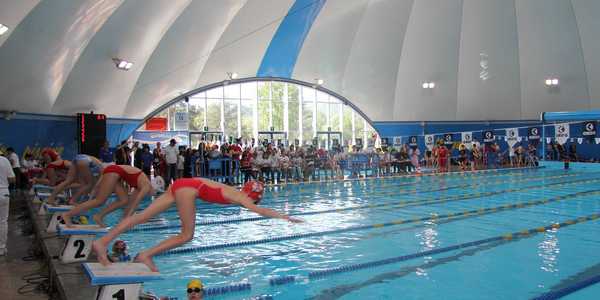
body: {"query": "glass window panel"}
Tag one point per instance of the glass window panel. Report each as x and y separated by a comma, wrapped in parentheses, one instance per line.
(180, 106)
(232, 91)
(347, 131)
(249, 90)
(263, 115)
(307, 122)
(334, 116)
(247, 119)
(213, 115)
(293, 92)
(322, 97)
(359, 128)
(196, 114)
(293, 125)
(322, 111)
(278, 115)
(308, 94)
(231, 118)
(277, 90)
(263, 90)
(216, 93)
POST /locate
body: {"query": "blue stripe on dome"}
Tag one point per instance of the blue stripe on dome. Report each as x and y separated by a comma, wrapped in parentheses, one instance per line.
(282, 53)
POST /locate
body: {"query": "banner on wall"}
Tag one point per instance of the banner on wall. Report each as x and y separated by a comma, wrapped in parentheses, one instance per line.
(385, 141)
(561, 132)
(589, 129)
(429, 141)
(512, 136)
(181, 120)
(412, 141)
(448, 139)
(152, 137)
(397, 141)
(533, 133)
(488, 136)
(467, 139)
(156, 124)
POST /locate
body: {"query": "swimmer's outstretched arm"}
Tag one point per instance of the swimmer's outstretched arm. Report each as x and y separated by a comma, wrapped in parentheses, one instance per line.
(236, 197)
(61, 187)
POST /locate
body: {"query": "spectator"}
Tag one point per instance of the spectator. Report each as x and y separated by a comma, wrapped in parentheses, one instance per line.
(157, 156)
(122, 155)
(180, 162)
(13, 158)
(171, 154)
(7, 176)
(187, 163)
(246, 165)
(137, 155)
(147, 159)
(105, 154)
(573, 152)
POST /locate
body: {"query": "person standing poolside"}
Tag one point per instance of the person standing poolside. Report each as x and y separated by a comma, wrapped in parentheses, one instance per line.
(7, 176)
(184, 193)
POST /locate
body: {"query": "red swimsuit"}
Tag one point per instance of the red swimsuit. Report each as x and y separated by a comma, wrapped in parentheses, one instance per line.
(131, 179)
(60, 166)
(205, 192)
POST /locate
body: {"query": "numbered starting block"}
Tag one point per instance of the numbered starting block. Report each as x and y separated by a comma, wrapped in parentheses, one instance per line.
(119, 280)
(56, 211)
(78, 246)
(42, 196)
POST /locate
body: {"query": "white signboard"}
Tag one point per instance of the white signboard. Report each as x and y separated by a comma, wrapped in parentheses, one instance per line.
(467, 139)
(561, 132)
(512, 136)
(181, 120)
(429, 141)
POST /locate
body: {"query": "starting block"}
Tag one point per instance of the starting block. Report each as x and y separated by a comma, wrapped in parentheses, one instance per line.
(119, 280)
(78, 246)
(41, 196)
(56, 211)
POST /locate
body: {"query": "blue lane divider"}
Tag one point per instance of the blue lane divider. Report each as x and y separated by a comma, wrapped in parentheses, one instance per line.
(220, 290)
(398, 204)
(509, 236)
(473, 212)
(569, 289)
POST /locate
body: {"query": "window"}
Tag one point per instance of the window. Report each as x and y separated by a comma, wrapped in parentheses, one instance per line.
(243, 109)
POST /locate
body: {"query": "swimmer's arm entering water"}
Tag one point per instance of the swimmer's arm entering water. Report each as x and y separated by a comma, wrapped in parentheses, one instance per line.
(236, 197)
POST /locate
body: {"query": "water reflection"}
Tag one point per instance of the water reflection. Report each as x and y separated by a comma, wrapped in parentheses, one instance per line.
(428, 241)
(548, 250)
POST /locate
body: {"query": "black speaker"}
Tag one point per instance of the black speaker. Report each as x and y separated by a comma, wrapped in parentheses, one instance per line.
(91, 133)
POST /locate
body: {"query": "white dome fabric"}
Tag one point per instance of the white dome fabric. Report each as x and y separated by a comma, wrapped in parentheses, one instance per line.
(488, 58)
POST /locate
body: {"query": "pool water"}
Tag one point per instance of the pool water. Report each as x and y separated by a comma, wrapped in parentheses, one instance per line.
(352, 227)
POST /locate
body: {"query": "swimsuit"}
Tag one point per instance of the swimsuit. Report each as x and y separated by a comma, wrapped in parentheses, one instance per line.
(205, 192)
(60, 166)
(95, 168)
(131, 179)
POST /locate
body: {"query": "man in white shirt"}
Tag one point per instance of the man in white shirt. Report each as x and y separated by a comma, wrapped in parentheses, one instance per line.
(13, 158)
(6, 176)
(171, 156)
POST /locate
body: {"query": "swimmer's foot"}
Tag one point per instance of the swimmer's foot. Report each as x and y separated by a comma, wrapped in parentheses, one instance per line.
(100, 250)
(147, 260)
(98, 220)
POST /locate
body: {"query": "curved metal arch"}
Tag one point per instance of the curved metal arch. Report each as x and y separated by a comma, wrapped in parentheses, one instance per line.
(205, 88)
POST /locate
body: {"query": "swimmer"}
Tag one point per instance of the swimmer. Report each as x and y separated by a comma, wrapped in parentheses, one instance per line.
(56, 168)
(195, 290)
(119, 252)
(84, 168)
(183, 192)
(111, 181)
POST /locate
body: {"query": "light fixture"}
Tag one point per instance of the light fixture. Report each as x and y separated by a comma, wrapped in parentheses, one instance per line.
(122, 64)
(428, 85)
(3, 29)
(551, 81)
(232, 75)
(319, 81)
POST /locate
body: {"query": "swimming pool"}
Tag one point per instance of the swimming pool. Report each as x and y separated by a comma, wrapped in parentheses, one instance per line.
(423, 237)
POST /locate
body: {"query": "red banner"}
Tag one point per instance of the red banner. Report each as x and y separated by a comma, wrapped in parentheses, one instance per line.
(156, 124)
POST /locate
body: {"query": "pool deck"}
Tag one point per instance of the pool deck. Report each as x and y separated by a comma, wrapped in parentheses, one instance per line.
(69, 280)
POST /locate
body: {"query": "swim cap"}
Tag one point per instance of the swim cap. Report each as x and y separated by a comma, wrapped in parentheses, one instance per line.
(254, 190)
(53, 155)
(195, 283)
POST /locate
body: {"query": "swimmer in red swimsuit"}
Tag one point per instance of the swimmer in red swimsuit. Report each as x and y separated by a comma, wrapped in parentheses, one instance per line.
(84, 169)
(111, 181)
(183, 192)
(56, 168)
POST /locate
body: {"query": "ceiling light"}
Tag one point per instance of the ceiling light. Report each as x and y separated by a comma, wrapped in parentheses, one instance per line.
(3, 29)
(319, 81)
(551, 81)
(428, 85)
(555, 81)
(234, 75)
(548, 81)
(122, 64)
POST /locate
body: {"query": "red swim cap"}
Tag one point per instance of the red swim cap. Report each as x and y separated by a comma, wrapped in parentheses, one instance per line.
(254, 190)
(53, 155)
